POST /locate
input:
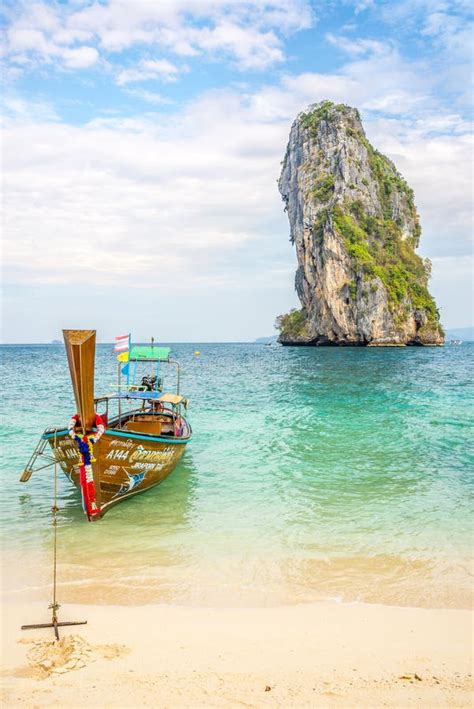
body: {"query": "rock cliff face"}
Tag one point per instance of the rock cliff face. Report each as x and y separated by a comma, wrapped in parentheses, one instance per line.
(355, 228)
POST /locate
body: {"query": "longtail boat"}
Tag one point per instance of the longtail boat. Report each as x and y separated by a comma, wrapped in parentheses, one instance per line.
(122, 443)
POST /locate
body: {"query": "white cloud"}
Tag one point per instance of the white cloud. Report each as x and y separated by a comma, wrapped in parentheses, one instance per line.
(151, 97)
(356, 47)
(250, 47)
(147, 69)
(438, 168)
(25, 43)
(249, 33)
(452, 285)
(361, 5)
(381, 81)
(25, 40)
(188, 191)
(446, 30)
(19, 109)
(122, 200)
(80, 58)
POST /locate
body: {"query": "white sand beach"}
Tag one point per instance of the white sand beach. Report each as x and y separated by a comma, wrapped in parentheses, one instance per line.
(325, 655)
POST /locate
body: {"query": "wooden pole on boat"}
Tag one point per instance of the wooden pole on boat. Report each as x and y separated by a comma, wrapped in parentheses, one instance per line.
(54, 606)
(80, 350)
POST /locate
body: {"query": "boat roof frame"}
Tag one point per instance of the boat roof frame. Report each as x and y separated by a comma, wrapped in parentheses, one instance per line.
(145, 353)
(167, 360)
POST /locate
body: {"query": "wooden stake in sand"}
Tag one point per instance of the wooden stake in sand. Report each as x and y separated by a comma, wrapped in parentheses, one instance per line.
(54, 606)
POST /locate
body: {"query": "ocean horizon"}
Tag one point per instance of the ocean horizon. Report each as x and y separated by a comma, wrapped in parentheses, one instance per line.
(167, 343)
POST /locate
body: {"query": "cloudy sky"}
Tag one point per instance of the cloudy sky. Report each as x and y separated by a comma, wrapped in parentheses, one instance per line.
(142, 142)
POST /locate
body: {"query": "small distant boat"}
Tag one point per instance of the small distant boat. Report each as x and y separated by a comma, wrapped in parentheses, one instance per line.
(123, 443)
(455, 342)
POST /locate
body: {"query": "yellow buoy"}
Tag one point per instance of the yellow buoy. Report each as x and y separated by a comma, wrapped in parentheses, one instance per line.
(197, 353)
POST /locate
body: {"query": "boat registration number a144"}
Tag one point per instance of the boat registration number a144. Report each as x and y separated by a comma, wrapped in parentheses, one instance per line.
(140, 453)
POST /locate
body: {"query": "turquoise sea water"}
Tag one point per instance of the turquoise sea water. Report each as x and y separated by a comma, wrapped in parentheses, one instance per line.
(313, 473)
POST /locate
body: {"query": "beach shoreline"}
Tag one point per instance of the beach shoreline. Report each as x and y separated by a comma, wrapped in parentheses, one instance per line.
(324, 654)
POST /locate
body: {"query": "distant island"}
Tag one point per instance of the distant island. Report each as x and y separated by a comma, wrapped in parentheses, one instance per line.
(266, 340)
(355, 227)
(461, 333)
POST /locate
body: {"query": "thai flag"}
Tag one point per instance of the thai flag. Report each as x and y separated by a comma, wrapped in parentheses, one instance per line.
(122, 343)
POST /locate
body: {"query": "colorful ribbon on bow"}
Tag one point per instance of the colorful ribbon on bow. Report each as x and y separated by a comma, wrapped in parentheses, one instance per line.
(85, 445)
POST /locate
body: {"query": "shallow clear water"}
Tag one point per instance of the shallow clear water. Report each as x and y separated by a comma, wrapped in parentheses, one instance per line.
(313, 473)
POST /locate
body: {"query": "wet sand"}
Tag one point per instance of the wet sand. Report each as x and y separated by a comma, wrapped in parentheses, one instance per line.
(324, 654)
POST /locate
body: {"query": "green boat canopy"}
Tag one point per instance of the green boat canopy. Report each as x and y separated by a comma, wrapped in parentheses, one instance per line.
(149, 353)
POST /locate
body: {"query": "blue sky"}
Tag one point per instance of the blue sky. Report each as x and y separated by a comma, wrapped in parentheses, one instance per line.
(143, 140)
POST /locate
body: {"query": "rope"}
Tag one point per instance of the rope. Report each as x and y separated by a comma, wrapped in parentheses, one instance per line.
(54, 605)
(54, 510)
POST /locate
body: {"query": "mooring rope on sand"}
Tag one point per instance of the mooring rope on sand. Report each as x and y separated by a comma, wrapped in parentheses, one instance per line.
(54, 606)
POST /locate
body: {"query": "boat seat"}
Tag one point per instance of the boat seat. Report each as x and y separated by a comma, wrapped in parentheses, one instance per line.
(151, 427)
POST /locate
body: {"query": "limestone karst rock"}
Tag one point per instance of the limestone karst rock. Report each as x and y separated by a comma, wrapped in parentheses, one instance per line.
(355, 228)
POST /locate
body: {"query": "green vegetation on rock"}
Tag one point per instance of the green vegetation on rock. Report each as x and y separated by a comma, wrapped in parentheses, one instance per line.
(388, 179)
(325, 111)
(292, 325)
(378, 250)
(321, 113)
(323, 188)
(353, 289)
(319, 224)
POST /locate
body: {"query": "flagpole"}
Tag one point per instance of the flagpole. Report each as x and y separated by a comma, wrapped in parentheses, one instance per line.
(119, 394)
(129, 352)
(119, 348)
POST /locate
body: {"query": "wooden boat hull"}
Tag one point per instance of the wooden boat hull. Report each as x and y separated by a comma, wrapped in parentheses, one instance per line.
(125, 464)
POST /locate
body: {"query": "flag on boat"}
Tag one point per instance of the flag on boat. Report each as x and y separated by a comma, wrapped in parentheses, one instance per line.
(122, 343)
